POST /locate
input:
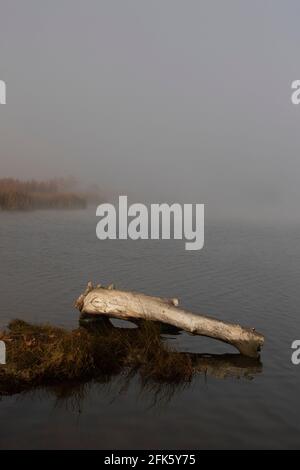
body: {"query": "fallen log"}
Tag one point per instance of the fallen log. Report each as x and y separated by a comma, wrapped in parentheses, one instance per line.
(132, 306)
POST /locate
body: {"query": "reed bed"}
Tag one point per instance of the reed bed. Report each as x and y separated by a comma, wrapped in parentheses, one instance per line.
(30, 195)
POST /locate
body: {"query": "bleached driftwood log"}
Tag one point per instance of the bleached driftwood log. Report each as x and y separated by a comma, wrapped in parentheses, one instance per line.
(132, 306)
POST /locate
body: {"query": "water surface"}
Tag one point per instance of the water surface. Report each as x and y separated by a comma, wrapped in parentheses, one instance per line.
(246, 273)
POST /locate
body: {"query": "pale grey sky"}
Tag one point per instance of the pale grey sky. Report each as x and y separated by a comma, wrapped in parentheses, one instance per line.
(179, 100)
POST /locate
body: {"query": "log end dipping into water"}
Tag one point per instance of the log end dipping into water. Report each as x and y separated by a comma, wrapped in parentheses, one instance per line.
(134, 306)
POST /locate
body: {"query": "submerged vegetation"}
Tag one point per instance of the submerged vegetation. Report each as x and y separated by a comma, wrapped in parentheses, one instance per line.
(43, 355)
(29, 195)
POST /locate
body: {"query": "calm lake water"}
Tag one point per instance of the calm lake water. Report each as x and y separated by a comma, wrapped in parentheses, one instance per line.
(245, 273)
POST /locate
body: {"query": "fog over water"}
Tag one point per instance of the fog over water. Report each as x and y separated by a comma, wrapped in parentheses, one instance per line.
(162, 100)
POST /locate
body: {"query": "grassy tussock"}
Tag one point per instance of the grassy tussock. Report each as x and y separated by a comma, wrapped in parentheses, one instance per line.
(42, 355)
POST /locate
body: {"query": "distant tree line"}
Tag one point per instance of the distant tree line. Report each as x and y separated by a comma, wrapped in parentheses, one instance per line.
(32, 194)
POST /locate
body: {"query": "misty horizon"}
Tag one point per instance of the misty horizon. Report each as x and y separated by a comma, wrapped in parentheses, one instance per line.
(162, 101)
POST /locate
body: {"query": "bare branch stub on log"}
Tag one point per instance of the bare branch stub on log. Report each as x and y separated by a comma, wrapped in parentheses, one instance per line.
(132, 305)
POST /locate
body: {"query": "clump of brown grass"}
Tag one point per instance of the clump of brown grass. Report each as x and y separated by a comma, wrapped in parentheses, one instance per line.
(42, 355)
